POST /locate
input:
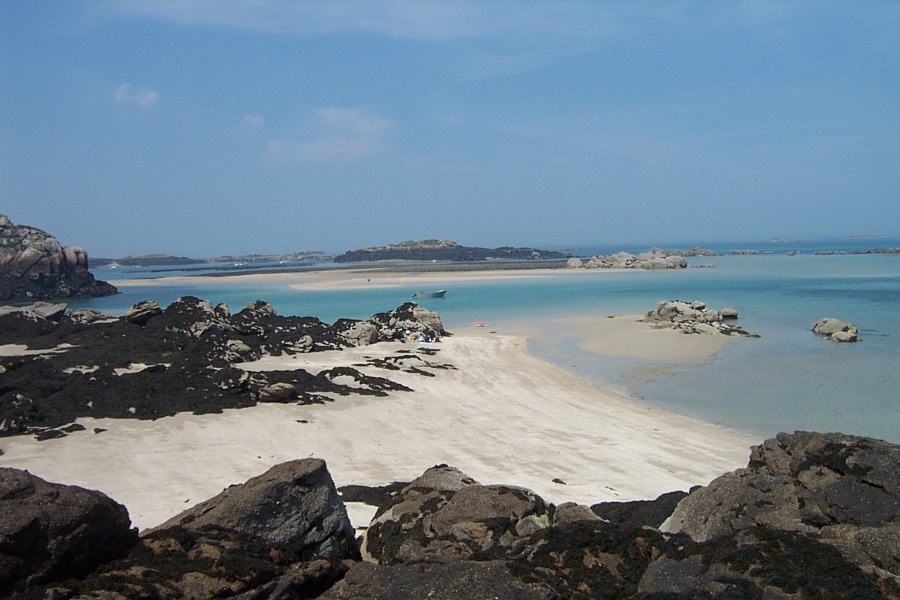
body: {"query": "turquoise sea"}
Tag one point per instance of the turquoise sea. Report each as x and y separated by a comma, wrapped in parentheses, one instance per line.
(786, 380)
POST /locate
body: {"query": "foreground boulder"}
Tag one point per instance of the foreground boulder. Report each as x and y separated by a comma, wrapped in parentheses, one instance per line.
(294, 505)
(812, 516)
(35, 266)
(836, 330)
(50, 532)
(462, 580)
(838, 490)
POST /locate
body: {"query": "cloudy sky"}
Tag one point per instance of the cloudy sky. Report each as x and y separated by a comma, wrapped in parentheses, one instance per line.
(210, 127)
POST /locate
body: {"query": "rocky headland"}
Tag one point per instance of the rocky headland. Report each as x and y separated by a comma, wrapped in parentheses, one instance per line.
(155, 362)
(811, 516)
(443, 250)
(35, 266)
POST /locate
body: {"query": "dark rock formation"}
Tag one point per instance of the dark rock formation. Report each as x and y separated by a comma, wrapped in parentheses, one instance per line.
(812, 516)
(694, 317)
(464, 580)
(50, 532)
(836, 330)
(442, 250)
(34, 266)
(839, 490)
(294, 505)
(639, 513)
(152, 363)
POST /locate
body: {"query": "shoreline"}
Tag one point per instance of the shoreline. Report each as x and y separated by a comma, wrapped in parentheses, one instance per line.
(359, 277)
(500, 414)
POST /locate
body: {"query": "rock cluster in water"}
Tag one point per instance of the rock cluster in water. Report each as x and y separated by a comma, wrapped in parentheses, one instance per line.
(812, 516)
(654, 259)
(836, 330)
(35, 266)
(694, 317)
(155, 362)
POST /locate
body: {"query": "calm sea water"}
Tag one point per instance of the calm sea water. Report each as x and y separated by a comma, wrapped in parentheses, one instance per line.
(786, 380)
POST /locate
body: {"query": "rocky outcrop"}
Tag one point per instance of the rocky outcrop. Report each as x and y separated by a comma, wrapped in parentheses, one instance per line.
(294, 504)
(655, 259)
(835, 490)
(189, 354)
(445, 516)
(836, 330)
(694, 317)
(35, 266)
(812, 516)
(50, 532)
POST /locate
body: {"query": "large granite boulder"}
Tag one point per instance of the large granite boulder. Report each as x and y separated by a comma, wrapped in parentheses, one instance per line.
(50, 532)
(444, 516)
(35, 266)
(836, 330)
(294, 504)
(838, 490)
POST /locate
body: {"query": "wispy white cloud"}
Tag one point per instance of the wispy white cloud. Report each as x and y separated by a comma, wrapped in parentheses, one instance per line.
(143, 97)
(253, 121)
(409, 19)
(339, 135)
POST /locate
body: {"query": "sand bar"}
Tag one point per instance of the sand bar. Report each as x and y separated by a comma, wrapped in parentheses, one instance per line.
(372, 277)
(500, 415)
(627, 336)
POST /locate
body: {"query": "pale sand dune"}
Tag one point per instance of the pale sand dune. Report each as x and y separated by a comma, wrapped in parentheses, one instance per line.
(502, 416)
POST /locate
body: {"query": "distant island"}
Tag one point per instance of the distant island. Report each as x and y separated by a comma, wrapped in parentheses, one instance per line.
(444, 250)
(167, 260)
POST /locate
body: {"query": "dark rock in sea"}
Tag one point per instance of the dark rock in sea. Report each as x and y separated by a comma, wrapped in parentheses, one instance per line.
(34, 266)
(51, 532)
(152, 363)
(294, 505)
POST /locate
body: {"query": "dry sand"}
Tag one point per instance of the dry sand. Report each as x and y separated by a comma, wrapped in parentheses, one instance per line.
(501, 415)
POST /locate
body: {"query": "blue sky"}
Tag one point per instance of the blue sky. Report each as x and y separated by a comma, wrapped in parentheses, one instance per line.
(210, 127)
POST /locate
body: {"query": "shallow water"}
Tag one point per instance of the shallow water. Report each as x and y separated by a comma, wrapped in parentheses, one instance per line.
(788, 379)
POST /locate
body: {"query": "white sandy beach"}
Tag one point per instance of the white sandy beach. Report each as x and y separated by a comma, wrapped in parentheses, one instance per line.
(500, 415)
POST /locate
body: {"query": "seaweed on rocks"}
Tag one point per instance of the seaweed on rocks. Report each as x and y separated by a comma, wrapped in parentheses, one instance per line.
(154, 362)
